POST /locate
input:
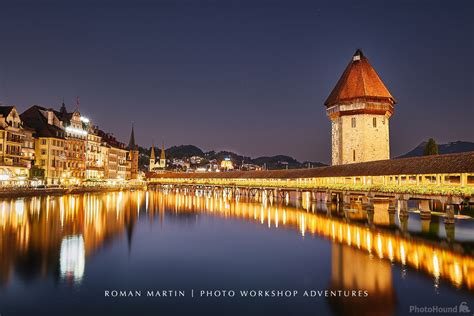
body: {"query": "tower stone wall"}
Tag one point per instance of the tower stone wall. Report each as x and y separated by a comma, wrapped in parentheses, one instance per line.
(360, 138)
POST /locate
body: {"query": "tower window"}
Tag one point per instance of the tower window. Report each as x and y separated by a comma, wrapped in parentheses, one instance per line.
(353, 122)
(353, 155)
(374, 121)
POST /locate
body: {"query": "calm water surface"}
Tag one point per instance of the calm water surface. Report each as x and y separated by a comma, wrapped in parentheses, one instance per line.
(58, 256)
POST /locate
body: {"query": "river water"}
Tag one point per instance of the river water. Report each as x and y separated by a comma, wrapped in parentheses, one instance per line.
(151, 253)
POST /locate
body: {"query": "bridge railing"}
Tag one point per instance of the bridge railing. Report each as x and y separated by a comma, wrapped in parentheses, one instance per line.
(460, 185)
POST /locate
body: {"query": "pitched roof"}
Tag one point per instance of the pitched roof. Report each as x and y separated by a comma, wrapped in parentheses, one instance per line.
(359, 80)
(34, 119)
(110, 139)
(5, 110)
(450, 163)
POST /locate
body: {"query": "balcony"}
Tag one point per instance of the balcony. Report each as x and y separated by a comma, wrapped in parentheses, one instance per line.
(15, 139)
(5, 161)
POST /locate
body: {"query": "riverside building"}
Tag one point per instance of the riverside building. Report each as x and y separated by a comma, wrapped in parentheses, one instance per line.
(64, 148)
(14, 163)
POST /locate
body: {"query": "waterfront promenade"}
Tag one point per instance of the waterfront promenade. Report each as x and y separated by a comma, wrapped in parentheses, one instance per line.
(61, 190)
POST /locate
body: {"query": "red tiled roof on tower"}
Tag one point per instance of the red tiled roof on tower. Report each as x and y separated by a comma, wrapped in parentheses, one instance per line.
(359, 81)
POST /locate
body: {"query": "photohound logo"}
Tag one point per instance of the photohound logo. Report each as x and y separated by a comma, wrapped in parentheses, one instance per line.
(461, 308)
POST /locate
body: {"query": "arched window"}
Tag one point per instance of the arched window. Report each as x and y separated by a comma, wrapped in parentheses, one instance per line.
(374, 121)
(353, 155)
(353, 122)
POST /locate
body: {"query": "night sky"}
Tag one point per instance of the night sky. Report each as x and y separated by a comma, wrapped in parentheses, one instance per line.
(248, 76)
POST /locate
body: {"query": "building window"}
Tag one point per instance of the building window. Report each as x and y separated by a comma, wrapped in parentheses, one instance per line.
(353, 122)
(353, 155)
(374, 121)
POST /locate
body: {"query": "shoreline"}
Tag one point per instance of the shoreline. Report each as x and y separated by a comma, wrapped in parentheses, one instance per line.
(28, 192)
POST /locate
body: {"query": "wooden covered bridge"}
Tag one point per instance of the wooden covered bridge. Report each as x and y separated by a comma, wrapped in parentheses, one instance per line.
(446, 178)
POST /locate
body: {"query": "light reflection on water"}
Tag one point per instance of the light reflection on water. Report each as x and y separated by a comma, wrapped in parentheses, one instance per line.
(57, 235)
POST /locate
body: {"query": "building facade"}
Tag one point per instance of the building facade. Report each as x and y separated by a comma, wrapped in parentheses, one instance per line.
(13, 164)
(114, 154)
(49, 143)
(76, 133)
(359, 107)
(64, 148)
(96, 156)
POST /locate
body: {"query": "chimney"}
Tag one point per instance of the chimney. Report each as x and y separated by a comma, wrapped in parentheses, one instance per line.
(50, 117)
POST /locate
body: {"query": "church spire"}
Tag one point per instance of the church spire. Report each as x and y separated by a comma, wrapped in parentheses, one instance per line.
(63, 108)
(152, 154)
(131, 143)
(162, 156)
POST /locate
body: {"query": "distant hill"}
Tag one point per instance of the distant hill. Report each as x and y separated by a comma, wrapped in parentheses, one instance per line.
(183, 151)
(449, 148)
(187, 151)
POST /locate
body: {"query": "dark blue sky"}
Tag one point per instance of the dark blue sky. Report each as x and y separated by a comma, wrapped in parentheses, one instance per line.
(249, 76)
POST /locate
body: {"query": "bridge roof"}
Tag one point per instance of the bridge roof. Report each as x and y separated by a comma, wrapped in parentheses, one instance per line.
(450, 163)
(359, 81)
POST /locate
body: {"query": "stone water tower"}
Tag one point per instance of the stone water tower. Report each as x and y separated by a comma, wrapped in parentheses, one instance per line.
(360, 107)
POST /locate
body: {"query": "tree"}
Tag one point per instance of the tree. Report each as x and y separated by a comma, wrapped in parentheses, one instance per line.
(431, 148)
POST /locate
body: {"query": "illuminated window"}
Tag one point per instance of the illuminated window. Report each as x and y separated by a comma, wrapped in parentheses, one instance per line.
(470, 179)
(452, 179)
(374, 122)
(353, 122)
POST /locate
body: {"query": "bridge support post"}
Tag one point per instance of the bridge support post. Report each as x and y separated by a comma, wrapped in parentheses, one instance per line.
(298, 199)
(425, 215)
(391, 212)
(369, 207)
(403, 212)
(328, 197)
(449, 225)
(402, 206)
(424, 207)
(346, 198)
(449, 208)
